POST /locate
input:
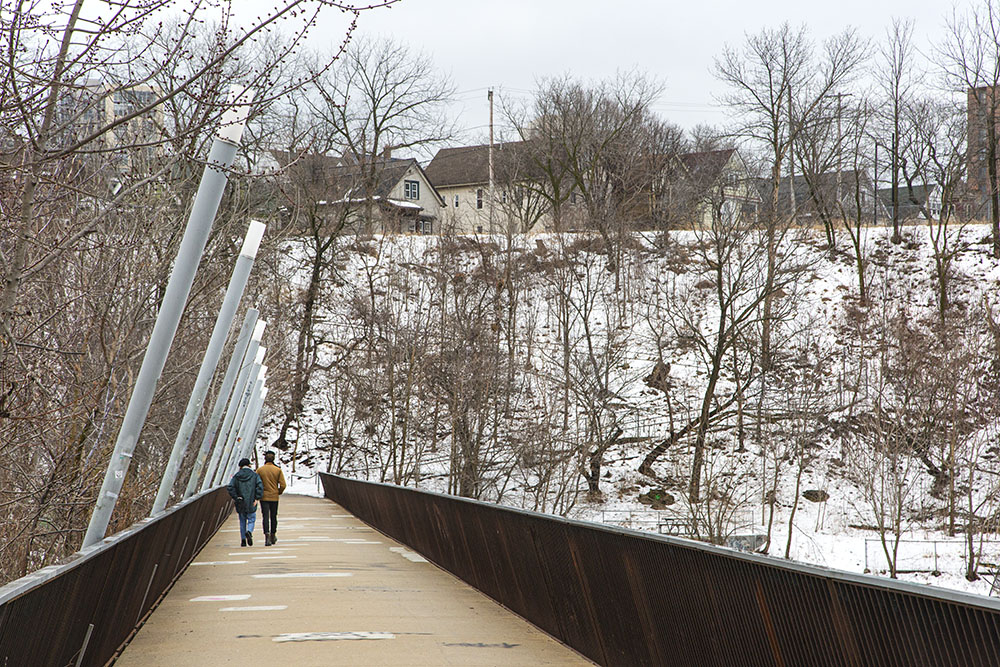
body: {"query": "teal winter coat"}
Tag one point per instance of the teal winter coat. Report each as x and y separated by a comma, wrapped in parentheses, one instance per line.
(245, 487)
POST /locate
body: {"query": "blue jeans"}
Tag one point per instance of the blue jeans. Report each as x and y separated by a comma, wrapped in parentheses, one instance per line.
(247, 522)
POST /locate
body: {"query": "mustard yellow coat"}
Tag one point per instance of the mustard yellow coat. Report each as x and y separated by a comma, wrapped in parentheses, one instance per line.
(274, 481)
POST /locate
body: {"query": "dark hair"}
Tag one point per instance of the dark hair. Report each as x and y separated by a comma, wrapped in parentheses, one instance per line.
(244, 462)
(269, 456)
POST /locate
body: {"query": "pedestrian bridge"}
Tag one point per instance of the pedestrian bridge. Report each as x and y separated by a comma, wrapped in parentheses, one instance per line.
(377, 574)
(332, 591)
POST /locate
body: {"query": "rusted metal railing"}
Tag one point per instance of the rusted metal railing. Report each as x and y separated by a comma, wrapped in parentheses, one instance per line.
(621, 597)
(83, 612)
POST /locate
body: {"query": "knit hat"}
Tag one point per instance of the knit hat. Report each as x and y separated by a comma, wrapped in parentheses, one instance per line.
(244, 462)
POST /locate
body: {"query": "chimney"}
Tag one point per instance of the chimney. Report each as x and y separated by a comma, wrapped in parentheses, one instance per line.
(387, 153)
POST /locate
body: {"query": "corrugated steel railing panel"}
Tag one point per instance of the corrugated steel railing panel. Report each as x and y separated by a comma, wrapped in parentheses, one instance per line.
(46, 617)
(621, 597)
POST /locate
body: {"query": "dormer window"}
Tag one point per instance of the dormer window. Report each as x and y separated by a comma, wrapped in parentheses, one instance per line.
(411, 189)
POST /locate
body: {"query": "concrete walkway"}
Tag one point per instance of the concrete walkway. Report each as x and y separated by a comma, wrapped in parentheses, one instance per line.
(332, 591)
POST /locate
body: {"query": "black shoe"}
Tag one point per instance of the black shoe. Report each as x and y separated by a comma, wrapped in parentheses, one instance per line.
(249, 539)
(274, 538)
(243, 543)
(267, 540)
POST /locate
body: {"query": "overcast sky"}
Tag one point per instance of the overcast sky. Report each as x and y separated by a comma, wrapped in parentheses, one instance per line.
(510, 45)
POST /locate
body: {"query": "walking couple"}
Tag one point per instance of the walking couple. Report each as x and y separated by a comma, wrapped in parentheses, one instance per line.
(247, 487)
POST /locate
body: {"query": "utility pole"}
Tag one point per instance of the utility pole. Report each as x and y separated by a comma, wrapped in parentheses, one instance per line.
(791, 155)
(199, 225)
(875, 188)
(840, 140)
(895, 188)
(489, 95)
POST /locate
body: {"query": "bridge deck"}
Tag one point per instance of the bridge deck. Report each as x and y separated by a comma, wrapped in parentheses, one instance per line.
(331, 592)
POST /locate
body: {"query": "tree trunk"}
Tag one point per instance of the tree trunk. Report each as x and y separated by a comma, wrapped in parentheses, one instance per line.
(694, 487)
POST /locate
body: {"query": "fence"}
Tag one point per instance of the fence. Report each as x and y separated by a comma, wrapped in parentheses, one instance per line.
(83, 612)
(932, 556)
(621, 597)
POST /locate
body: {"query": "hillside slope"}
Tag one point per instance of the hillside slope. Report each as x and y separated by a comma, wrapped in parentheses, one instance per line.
(563, 374)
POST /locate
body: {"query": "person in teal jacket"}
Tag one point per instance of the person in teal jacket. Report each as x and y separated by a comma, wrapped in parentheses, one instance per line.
(246, 488)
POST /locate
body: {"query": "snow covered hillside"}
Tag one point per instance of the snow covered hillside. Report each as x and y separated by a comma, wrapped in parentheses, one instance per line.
(673, 383)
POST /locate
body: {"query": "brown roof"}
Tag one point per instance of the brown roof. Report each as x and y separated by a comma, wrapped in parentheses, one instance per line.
(467, 165)
(707, 166)
(344, 180)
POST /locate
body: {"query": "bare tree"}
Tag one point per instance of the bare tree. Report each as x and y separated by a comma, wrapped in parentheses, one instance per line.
(731, 258)
(598, 341)
(522, 201)
(466, 371)
(379, 98)
(970, 58)
(103, 118)
(598, 147)
(895, 429)
(937, 157)
(896, 77)
(776, 87)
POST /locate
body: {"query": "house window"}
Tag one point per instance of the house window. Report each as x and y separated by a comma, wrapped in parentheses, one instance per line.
(456, 201)
(411, 189)
(479, 198)
(414, 226)
(479, 229)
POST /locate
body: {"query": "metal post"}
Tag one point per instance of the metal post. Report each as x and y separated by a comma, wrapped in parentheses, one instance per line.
(243, 441)
(206, 203)
(249, 396)
(240, 349)
(255, 423)
(247, 419)
(236, 443)
(211, 360)
(228, 440)
(86, 640)
(260, 416)
(241, 382)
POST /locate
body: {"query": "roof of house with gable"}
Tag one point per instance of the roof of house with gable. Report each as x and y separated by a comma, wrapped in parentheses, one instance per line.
(707, 166)
(469, 165)
(345, 179)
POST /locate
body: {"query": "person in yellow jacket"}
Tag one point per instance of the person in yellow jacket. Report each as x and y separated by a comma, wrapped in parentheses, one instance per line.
(274, 485)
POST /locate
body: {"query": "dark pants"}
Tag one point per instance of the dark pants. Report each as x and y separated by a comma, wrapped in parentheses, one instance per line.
(269, 515)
